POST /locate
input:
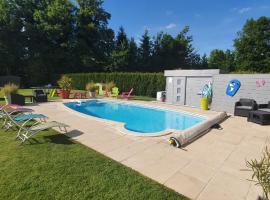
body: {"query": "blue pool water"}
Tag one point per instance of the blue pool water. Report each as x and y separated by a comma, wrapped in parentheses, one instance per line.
(137, 118)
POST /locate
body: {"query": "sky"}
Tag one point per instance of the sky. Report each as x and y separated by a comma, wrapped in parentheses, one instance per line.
(213, 23)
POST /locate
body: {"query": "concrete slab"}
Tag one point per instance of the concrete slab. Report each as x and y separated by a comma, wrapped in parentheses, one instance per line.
(186, 185)
(225, 186)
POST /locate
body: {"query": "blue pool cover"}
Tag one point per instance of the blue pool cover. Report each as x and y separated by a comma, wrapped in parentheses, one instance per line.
(137, 118)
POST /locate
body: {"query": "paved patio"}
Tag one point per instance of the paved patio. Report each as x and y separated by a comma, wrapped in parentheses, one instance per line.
(208, 169)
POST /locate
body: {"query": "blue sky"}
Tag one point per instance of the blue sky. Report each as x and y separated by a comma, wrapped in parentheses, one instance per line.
(213, 23)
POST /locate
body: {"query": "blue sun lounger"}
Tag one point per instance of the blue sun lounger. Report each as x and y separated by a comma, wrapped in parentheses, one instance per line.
(24, 118)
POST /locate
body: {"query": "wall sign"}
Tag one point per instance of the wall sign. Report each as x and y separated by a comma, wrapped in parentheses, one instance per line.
(233, 87)
(260, 83)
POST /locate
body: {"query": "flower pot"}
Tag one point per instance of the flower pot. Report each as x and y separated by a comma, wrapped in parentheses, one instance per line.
(92, 94)
(204, 103)
(64, 94)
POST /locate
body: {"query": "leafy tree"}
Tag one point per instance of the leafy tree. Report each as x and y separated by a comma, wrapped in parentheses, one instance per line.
(121, 39)
(45, 37)
(145, 51)
(119, 59)
(120, 54)
(172, 53)
(51, 32)
(252, 46)
(94, 40)
(156, 61)
(204, 62)
(11, 40)
(224, 60)
(133, 56)
(187, 52)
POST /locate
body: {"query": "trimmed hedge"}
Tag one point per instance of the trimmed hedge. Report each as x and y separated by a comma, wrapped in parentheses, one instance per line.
(144, 84)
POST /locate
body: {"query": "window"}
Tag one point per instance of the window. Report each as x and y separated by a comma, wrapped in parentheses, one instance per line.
(178, 98)
(178, 90)
(178, 81)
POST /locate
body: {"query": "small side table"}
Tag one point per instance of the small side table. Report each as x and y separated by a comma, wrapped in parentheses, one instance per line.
(259, 117)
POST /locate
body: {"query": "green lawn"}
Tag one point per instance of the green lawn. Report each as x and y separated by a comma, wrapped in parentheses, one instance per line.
(53, 166)
(22, 92)
(143, 98)
(29, 92)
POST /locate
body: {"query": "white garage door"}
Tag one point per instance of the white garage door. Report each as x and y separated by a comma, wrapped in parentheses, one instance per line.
(195, 86)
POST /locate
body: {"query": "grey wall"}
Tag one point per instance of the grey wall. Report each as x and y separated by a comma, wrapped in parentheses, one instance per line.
(192, 82)
(198, 72)
(193, 88)
(249, 89)
(171, 90)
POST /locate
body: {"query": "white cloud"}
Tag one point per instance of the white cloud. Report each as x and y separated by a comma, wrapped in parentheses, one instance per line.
(171, 26)
(244, 10)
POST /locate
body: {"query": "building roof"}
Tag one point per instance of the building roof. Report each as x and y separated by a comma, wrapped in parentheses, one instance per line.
(201, 72)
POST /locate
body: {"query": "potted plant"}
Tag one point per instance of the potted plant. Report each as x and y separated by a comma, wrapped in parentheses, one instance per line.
(91, 87)
(163, 96)
(108, 87)
(8, 90)
(261, 174)
(206, 96)
(65, 84)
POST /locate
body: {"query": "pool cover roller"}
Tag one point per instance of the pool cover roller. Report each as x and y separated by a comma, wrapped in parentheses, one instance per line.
(180, 138)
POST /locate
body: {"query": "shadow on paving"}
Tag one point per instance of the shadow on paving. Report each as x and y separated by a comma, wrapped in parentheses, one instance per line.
(63, 139)
(59, 139)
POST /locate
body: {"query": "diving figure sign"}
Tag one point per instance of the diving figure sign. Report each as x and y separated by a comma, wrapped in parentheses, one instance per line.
(233, 87)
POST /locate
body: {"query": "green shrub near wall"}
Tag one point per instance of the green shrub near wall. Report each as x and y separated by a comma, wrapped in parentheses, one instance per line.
(144, 84)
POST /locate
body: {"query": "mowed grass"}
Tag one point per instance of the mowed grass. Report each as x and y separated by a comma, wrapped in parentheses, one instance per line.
(53, 166)
(143, 98)
(24, 92)
(21, 91)
(29, 92)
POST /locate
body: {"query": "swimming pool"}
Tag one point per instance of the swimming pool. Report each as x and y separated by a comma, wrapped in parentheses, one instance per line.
(137, 118)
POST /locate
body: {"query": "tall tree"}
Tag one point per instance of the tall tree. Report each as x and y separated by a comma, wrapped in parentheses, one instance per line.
(156, 61)
(187, 53)
(50, 33)
(121, 39)
(145, 51)
(224, 60)
(133, 56)
(120, 54)
(252, 46)
(94, 39)
(172, 53)
(204, 62)
(11, 40)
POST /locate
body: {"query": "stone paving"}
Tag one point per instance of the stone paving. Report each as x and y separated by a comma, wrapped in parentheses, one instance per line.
(210, 168)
